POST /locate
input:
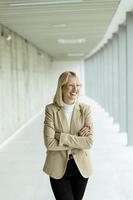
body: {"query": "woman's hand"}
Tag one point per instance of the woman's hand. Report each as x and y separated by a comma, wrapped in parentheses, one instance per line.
(57, 136)
(85, 131)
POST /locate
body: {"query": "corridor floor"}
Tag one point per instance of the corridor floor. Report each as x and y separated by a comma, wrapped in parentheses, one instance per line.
(21, 162)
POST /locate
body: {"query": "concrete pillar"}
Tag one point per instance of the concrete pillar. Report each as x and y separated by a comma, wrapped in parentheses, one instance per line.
(91, 74)
(97, 66)
(122, 77)
(110, 78)
(88, 77)
(102, 78)
(129, 24)
(116, 98)
(94, 79)
(106, 76)
(98, 78)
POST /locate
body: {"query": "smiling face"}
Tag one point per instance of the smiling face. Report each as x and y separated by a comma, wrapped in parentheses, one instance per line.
(71, 90)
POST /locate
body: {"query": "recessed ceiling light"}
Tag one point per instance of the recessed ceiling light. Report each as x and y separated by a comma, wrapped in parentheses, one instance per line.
(75, 54)
(72, 41)
(59, 25)
(45, 2)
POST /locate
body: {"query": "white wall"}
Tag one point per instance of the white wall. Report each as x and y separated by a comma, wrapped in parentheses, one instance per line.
(23, 83)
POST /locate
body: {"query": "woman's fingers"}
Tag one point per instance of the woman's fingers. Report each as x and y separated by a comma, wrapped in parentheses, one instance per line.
(84, 131)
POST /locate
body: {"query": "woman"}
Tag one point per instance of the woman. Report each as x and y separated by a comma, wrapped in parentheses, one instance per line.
(67, 133)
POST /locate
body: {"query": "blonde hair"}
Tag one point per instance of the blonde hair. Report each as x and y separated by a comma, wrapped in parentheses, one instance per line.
(63, 79)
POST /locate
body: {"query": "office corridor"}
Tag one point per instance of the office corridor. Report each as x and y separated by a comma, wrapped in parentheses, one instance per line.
(21, 162)
(38, 41)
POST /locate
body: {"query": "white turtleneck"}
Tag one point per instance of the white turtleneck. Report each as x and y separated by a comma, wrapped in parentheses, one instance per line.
(68, 109)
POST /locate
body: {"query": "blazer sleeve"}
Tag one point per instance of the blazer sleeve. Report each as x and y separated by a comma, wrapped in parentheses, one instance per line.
(79, 142)
(49, 133)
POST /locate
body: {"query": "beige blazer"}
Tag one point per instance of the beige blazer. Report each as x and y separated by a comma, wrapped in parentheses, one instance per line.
(57, 151)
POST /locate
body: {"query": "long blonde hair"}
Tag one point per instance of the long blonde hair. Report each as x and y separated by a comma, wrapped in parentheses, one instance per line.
(63, 79)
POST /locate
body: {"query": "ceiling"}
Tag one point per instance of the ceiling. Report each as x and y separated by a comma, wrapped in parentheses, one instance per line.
(44, 22)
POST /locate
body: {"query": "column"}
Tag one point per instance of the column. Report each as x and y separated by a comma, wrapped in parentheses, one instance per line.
(115, 79)
(122, 76)
(129, 22)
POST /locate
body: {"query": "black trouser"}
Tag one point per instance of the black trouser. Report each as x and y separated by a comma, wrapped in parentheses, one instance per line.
(71, 186)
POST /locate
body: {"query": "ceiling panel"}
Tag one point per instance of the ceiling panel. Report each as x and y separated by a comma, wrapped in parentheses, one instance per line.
(44, 24)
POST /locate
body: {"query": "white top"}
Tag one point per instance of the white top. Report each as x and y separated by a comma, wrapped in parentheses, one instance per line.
(68, 109)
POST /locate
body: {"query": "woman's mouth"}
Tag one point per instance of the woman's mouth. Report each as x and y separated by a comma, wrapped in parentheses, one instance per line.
(74, 93)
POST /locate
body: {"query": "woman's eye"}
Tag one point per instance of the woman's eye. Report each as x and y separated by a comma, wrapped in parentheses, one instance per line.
(71, 85)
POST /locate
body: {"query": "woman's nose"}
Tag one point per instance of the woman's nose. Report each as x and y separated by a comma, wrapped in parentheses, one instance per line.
(74, 86)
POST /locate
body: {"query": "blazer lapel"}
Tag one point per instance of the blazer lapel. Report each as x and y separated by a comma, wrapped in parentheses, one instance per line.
(63, 120)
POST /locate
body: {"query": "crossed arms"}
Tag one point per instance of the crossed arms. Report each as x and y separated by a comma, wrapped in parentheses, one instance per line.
(58, 141)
